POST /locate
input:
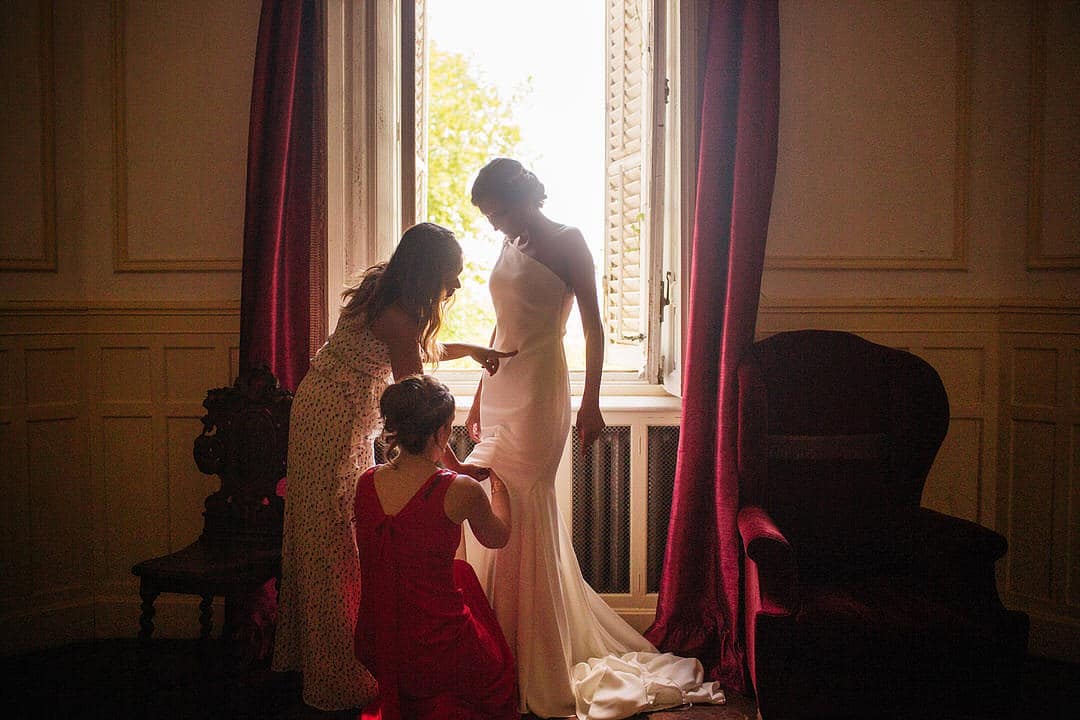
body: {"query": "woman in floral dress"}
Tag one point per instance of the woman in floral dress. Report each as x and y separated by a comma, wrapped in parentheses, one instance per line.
(386, 330)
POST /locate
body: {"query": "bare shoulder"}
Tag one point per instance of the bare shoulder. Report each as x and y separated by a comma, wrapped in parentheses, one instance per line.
(394, 323)
(572, 243)
(576, 259)
(465, 484)
(462, 496)
(570, 235)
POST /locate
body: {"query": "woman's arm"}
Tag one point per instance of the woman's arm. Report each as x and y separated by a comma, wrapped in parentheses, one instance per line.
(399, 331)
(472, 422)
(450, 461)
(590, 422)
(485, 356)
(490, 520)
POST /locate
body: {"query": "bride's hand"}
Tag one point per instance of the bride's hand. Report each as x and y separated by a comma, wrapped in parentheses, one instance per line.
(590, 423)
(472, 422)
(489, 357)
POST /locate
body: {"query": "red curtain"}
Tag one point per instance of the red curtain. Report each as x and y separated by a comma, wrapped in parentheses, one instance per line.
(283, 293)
(698, 608)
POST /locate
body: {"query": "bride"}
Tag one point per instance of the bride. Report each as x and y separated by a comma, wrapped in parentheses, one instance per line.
(520, 419)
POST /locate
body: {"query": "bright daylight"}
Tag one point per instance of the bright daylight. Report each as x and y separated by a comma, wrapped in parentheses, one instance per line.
(523, 80)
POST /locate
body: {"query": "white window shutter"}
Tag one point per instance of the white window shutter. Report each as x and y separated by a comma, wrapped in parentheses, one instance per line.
(625, 180)
(420, 93)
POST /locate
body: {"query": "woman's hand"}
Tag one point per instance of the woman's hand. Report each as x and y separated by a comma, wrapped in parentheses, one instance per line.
(450, 462)
(590, 423)
(489, 358)
(472, 421)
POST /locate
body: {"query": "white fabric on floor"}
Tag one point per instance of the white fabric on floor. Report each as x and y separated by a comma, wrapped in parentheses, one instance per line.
(613, 687)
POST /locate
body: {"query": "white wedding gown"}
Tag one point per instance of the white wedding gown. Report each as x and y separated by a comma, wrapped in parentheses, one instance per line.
(552, 619)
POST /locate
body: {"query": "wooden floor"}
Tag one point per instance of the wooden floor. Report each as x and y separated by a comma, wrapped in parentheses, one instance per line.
(171, 680)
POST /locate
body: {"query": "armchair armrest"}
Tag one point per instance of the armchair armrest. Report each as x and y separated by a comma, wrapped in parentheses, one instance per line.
(956, 535)
(953, 556)
(772, 567)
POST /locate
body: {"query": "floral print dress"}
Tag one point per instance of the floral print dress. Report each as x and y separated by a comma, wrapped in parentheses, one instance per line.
(335, 419)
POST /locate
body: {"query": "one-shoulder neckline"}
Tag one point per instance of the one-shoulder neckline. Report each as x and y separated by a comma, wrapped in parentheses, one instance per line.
(554, 274)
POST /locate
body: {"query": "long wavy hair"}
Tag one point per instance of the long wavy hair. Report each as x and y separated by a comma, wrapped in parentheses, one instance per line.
(413, 278)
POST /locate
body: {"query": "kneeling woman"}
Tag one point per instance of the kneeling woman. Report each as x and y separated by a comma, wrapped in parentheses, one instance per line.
(425, 628)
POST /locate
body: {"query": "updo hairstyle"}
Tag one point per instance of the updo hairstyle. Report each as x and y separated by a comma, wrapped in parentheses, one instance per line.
(413, 410)
(507, 182)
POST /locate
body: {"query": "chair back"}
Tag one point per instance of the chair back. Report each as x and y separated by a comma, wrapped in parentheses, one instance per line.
(836, 435)
(244, 442)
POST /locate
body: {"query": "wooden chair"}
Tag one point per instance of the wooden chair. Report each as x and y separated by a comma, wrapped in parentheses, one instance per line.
(244, 442)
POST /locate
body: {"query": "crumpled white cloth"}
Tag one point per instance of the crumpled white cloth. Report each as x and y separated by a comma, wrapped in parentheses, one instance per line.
(614, 687)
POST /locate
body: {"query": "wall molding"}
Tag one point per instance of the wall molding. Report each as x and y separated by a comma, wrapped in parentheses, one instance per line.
(1037, 258)
(46, 259)
(919, 315)
(887, 304)
(956, 259)
(119, 307)
(123, 262)
(37, 319)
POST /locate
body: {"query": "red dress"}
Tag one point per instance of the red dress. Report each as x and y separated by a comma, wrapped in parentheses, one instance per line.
(425, 628)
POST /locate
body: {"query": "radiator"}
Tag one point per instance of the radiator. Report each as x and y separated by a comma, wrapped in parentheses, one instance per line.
(602, 488)
(662, 450)
(601, 509)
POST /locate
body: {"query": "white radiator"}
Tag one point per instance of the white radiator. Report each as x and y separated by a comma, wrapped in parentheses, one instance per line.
(616, 504)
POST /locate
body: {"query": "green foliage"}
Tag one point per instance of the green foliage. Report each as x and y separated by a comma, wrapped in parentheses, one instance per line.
(469, 123)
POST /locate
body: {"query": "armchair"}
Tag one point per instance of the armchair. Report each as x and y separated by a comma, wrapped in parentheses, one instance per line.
(858, 602)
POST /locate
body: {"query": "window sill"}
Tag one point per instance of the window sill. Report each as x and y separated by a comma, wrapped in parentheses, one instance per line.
(646, 403)
(620, 393)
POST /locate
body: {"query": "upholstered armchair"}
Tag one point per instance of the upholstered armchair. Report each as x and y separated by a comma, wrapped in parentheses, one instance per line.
(860, 603)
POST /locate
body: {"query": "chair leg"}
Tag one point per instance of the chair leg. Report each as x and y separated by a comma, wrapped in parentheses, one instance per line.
(206, 617)
(149, 594)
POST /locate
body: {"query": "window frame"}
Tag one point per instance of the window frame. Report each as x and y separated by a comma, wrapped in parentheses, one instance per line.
(368, 155)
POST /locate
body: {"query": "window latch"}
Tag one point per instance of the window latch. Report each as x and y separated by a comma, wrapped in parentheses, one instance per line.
(665, 289)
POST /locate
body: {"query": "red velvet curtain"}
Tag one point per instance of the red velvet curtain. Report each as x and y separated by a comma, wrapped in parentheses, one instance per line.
(283, 293)
(698, 608)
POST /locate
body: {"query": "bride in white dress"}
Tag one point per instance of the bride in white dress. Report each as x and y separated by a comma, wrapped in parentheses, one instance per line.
(521, 417)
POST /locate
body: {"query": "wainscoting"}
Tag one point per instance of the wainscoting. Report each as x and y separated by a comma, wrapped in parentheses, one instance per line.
(99, 407)
(98, 412)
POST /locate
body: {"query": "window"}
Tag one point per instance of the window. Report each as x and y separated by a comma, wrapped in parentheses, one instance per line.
(648, 141)
(388, 161)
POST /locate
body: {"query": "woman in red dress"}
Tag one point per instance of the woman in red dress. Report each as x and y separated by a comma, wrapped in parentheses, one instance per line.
(425, 629)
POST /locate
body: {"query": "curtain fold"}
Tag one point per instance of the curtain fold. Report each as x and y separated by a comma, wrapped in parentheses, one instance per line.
(283, 291)
(283, 277)
(699, 601)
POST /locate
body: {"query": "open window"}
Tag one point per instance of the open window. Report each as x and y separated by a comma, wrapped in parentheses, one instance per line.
(379, 63)
(387, 175)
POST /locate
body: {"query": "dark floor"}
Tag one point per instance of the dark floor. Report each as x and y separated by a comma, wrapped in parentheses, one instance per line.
(167, 681)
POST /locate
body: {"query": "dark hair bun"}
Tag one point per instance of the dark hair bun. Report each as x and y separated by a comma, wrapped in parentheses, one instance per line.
(507, 181)
(413, 410)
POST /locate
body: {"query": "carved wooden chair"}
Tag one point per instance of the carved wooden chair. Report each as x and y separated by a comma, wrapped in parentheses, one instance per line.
(244, 442)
